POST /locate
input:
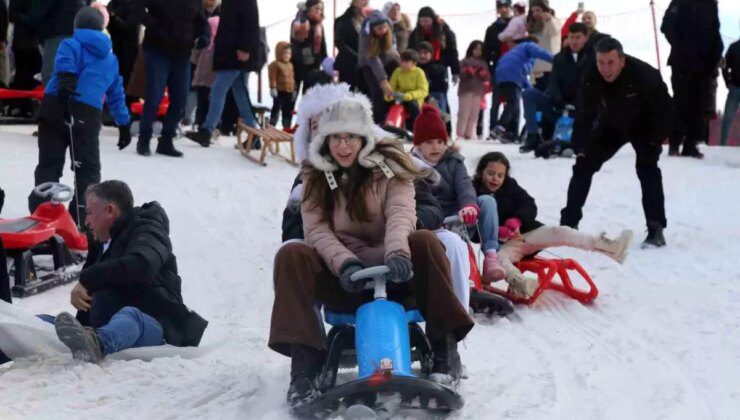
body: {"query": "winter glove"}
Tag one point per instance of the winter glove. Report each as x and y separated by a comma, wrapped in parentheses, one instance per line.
(504, 233)
(401, 267)
(201, 42)
(513, 223)
(469, 215)
(273, 93)
(124, 136)
(348, 268)
(455, 79)
(66, 87)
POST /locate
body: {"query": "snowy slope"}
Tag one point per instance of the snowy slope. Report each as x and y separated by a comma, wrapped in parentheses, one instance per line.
(660, 342)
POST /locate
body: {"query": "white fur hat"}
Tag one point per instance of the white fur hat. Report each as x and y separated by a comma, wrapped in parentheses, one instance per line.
(354, 115)
(313, 103)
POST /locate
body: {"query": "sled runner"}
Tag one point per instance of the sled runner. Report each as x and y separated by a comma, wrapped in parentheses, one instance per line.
(13, 101)
(382, 339)
(270, 137)
(49, 231)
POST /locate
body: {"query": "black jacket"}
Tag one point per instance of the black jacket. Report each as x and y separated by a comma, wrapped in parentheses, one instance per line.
(3, 21)
(636, 105)
(238, 29)
(140, 270)
(513, 201)
(449, 56)
(173, 26)
(566, 75)
(347, 41)
(692, 29)
(124, 31)
(731, 71)
(304, 57)
(24, 36)
(52, 18)
(491, 43)
(436, 76)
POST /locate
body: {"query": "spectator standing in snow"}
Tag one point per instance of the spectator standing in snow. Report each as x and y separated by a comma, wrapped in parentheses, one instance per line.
(124, 29)
(692, 29)
(622, 100)
(516, 28)
(594, 36)
(25, 47)
(493, 49)
(401, 25)
(436, 74)
(347, 40)
(473, 78)
(282, 85)
(548, 38)
(236, 51)
(204, 76)
(173, 28)
(731, 74)
(308, 40)
(378, 60)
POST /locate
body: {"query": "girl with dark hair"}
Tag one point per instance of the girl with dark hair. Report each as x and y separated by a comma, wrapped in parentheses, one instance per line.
(377, 60)
(472, 88)
(522, 234)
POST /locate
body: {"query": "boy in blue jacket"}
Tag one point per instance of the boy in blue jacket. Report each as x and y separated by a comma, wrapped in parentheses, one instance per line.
(512, 75)
(85, 75)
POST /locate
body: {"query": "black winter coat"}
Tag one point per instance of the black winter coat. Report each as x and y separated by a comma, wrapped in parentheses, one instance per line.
(636, 105)
(124, 31)
(436, 76)
(52, 18)
(513, 201)
(731, 72)
(449, 55)
(692, 29)
(173, 26)
(139, 269)
(238, 29)
(347, 41)
(492, 45)
(24, 36)
(3, 21)
(566, 75)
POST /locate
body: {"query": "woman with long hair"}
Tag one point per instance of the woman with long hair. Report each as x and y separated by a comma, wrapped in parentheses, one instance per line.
(377, 60)
(358, 211)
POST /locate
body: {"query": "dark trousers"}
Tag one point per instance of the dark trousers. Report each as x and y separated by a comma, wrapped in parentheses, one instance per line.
(412, 108)
(164, 72)
(302, 278)
(282, 104)
(201, 109)
(511, 94)
(542, 82)
(601, 149)
(54, 141)
(377, 97)
(27, 64)
(4, 277)
(694, 95)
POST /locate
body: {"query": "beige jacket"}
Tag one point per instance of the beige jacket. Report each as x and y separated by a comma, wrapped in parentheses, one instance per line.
(549, 40)
(392, 209)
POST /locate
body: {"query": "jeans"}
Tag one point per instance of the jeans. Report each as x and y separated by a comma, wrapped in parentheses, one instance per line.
(161, 72)
(236, 81)
(733, 100)
(535, 100)
(130, 328)
(441, 98)
(511, 93)
(488, 223)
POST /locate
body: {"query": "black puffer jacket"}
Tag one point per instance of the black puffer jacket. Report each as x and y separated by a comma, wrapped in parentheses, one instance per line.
(52, 18)
(565, 79)
(692, 29)
(24, 36)
(173, 26)
(347, 42)
(238, 29)
(513, 201)
(139, 269)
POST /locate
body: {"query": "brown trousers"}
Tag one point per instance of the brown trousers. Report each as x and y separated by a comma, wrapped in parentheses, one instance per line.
(302, 279)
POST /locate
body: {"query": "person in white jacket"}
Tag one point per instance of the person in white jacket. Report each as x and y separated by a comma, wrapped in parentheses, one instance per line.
(549, 39)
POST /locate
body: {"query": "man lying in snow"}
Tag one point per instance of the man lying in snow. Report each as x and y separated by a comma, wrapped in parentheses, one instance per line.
(129, 290)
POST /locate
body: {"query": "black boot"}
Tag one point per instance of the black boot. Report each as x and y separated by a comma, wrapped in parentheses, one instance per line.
(532, 142)
(655, 238)
(165, 147)
(202, 136)
(142, 147)
(692, 151)
(305, 365)
(447, 368)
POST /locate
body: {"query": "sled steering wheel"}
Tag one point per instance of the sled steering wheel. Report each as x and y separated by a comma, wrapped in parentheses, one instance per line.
(58, 193)
(380, 272)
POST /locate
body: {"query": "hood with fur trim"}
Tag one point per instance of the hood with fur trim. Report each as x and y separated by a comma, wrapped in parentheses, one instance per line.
(279, 49)
(313, 103)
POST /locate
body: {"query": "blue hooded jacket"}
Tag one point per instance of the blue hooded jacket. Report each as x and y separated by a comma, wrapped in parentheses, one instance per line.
(88, 55)
(516, 65)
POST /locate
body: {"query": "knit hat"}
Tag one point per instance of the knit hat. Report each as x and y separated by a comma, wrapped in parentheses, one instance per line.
(427, 11)
(429, 126)
(89, 18)
(100, 7)
(424, 45)
(377, 18)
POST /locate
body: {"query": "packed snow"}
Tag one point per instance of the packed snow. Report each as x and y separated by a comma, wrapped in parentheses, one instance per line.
(660, 341)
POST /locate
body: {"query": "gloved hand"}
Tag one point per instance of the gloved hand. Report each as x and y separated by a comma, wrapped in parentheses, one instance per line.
(504, 233)
(513, 223)
(348, 268)
(273, 93)
(469, 215)
(66, 87)
(201, 42)
(455, 79)
(401, 267)
(124, 136)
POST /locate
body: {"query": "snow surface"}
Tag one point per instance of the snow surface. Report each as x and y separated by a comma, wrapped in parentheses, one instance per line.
(660, 342)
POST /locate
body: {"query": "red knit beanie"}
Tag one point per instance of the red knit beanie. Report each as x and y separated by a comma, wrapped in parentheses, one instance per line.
(429, 126)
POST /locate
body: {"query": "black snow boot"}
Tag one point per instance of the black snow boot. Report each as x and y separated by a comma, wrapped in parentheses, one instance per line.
(142, 147)
(202, 136)
(447, 368)
(165, 147)
(655, 238)
(82, 341)
(305, 365)
(533, 141)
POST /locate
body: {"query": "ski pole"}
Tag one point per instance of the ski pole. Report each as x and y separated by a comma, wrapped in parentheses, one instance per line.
(75, 164)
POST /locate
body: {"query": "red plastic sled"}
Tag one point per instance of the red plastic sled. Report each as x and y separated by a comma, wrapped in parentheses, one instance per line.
(37, 94)
(138, 107)
(547, 270)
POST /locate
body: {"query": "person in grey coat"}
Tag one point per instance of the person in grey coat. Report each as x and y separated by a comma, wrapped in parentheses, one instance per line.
(377, 60)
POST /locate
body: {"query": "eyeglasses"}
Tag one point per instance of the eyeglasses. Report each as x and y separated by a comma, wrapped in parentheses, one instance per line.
(350, 139)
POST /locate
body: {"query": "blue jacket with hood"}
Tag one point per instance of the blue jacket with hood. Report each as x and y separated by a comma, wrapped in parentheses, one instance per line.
(89, 56)
(516, 65)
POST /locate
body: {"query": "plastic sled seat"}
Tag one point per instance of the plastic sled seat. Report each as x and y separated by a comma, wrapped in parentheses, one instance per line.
(26, 232)
(137, 108)
(553, 274)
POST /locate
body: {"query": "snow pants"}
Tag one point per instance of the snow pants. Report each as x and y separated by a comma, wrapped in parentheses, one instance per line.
(282, 104)
(54, 141)
(511, 94)
(302, 278)
(599, 150)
